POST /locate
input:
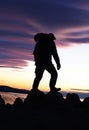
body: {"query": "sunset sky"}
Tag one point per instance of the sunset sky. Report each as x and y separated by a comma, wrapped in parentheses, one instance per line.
(20, 20)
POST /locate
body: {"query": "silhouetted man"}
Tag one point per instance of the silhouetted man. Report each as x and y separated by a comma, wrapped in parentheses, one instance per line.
(44, 50)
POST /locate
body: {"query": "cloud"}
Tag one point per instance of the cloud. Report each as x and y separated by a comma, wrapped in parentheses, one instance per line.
(20, 20)
(15, 55)
(78, 40)
(86, 90)
(73, 35)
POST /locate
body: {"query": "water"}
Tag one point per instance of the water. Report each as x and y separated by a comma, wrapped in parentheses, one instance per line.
(9, 97)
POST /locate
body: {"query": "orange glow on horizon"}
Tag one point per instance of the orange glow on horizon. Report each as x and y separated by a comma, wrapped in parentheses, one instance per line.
(74, 71)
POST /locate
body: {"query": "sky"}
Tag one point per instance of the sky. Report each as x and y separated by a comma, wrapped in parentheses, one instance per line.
(68, 20)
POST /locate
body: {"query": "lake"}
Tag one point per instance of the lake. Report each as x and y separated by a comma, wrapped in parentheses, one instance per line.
(9, 97)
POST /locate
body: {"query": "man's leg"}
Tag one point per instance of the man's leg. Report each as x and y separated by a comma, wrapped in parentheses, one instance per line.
(39, 73)
(51, 69)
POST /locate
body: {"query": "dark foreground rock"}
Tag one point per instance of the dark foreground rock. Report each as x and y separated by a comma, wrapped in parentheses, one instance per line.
(41, 111)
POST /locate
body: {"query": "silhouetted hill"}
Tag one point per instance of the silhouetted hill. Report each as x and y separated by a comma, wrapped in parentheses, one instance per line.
(10, 89)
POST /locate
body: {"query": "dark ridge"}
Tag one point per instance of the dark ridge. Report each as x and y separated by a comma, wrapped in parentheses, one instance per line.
(10, 89)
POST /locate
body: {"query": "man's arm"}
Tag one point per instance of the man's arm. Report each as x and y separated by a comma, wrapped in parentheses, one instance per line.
(55, 56)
